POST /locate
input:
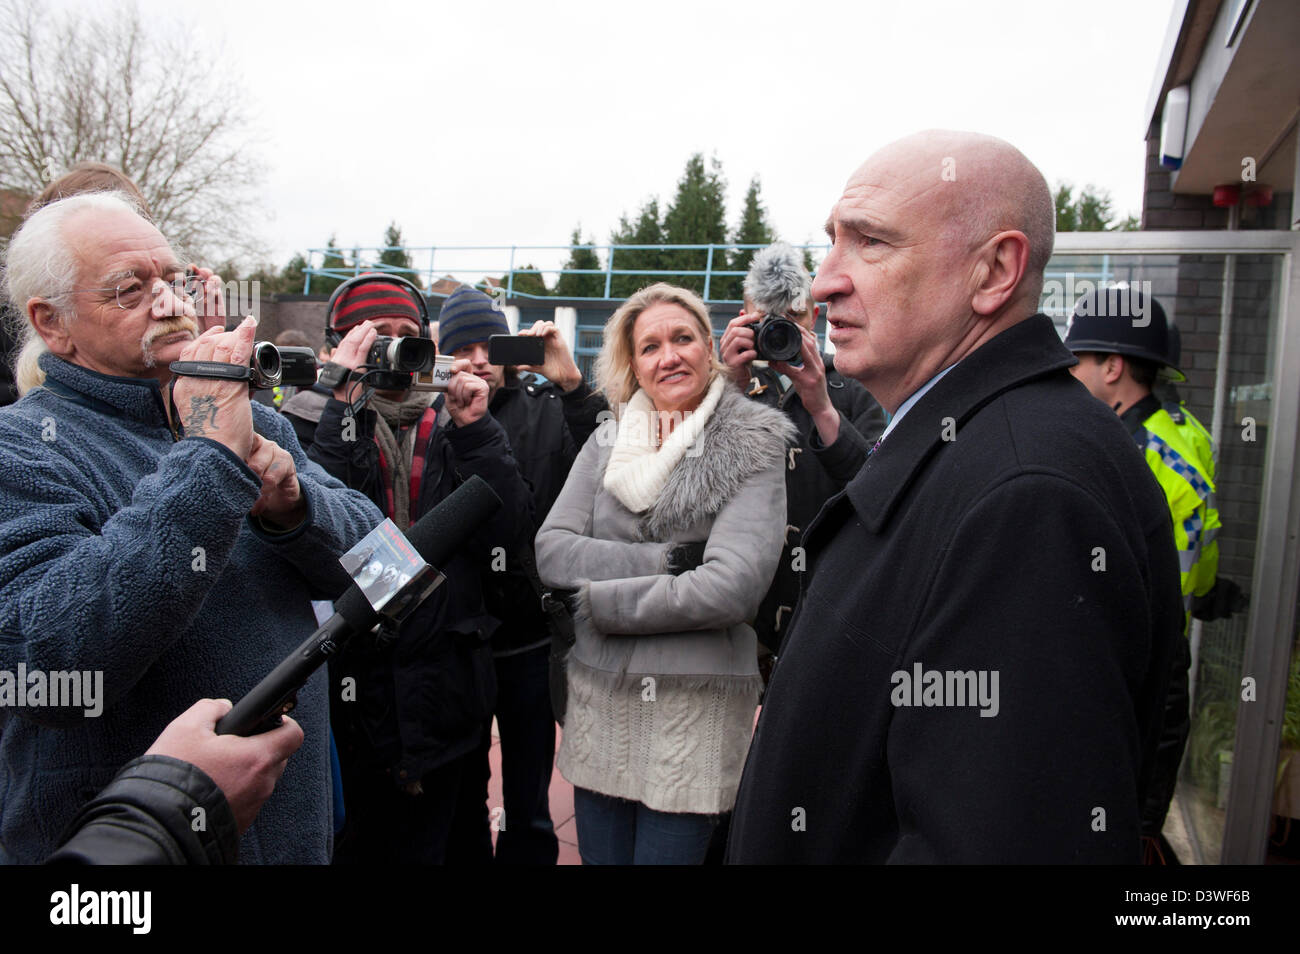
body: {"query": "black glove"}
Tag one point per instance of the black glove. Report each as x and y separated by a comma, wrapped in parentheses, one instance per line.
(684, 556)
(1223, 600)
(568, 599)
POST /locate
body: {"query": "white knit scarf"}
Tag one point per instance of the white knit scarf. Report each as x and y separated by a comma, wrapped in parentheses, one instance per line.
(638, 470)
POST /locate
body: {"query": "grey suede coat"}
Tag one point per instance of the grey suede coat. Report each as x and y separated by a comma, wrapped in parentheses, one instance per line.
(638, 620)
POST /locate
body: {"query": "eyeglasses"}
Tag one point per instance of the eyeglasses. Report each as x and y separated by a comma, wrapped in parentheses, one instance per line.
(130, 294)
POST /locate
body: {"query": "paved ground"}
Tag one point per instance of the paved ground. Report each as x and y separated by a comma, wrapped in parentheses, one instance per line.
(562, 811)
(561, 803)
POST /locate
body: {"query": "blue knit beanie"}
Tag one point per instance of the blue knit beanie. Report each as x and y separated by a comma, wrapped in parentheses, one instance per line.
(467, 317)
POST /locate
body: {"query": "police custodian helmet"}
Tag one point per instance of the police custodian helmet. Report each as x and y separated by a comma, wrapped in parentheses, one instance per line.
(1122, 319)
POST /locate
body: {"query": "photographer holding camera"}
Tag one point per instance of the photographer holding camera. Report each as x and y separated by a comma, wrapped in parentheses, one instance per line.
(836, 418)
(411, 708)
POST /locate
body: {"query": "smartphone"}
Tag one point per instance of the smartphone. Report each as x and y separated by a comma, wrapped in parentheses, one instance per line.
(516, 349)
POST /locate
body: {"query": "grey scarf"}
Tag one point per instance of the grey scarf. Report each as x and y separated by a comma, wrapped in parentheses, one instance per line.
(398, 417)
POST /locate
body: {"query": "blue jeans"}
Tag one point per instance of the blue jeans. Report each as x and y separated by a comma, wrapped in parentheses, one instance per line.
(615, 831)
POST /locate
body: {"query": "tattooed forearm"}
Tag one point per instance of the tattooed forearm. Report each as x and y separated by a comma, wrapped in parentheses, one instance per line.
(202, 419)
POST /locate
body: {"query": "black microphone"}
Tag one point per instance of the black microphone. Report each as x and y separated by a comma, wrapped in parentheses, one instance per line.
(436, 537)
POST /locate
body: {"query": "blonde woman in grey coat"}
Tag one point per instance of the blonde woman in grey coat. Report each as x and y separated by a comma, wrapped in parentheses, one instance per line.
(669, 529)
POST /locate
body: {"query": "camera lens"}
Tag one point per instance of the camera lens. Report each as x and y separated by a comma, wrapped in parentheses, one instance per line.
(778, 339)
(412, 355)
(265, 362)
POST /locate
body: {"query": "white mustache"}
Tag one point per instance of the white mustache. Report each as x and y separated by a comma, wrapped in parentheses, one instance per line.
(161, 331)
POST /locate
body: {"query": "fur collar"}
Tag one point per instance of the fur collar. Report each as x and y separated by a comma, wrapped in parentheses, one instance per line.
(736, 440)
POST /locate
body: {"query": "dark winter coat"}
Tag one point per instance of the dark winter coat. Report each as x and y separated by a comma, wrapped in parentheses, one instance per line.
(546, 427)
(146, 816)
(424, 694)
(1032, 544)
(814, 473)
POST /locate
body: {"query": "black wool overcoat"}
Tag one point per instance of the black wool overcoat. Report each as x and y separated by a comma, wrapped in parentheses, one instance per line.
(1006, 528)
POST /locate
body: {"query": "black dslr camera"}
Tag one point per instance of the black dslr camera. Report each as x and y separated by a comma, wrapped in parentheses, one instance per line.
(777, 338)
(778, 285)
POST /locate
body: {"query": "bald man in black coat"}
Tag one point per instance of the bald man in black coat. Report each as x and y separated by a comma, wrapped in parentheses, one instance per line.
(977, 668)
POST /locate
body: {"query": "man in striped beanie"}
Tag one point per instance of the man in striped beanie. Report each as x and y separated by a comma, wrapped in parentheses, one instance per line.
(414, 706)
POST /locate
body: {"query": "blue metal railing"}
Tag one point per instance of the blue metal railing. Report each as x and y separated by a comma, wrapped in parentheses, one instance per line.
(366, 259)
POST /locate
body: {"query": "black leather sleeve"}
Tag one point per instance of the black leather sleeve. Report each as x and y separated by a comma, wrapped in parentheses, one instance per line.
(157, 811)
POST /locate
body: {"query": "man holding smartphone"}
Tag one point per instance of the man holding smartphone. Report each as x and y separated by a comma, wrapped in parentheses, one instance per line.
(547, 422)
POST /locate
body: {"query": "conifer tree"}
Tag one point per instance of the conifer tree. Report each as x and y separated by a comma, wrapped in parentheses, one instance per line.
(647, 230)
(395, 257)
(752, 230)
(581, 286)
(697, 216)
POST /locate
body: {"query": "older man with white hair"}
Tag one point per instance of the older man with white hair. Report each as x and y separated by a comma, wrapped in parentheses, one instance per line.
(977, 668)
(165, 537)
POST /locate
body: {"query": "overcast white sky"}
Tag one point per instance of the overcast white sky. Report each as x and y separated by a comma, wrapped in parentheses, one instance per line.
(500, 123)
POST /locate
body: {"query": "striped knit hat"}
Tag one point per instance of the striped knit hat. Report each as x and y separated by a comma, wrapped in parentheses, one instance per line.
(371, 301)
(468, 317)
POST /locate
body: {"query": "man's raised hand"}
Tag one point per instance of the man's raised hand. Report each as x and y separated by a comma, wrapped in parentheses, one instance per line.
(557, 364)
(281, 500)
(467, 394)
(737, 347)
(213, 408)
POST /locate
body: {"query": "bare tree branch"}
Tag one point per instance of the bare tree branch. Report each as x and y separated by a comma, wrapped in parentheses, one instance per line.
(107, 87)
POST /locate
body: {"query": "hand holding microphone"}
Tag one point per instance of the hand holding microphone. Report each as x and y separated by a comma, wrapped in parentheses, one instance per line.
(245, 770)
(436, 537)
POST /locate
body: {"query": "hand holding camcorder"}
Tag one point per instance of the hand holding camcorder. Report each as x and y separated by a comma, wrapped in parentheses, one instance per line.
(385, 363)
(210, 387)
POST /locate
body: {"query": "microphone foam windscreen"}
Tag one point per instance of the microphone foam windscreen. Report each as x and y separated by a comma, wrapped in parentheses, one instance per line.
(356, 609)
(447, 527)
(777, 281)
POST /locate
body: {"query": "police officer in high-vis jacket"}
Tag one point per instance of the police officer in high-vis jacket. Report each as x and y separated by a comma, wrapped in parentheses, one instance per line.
(1121, 337)
(1225, 596)
(1193, 431)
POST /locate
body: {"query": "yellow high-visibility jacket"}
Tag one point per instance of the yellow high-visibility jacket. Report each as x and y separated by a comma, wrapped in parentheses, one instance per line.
(1188, 484)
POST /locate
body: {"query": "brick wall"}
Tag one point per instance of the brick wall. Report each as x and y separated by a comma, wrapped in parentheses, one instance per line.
(1163, 209)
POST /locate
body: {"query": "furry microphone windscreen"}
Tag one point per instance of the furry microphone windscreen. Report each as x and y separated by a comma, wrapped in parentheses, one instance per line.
(777, 282)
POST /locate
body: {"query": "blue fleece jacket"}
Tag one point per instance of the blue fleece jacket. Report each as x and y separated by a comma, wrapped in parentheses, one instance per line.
(127, 551)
